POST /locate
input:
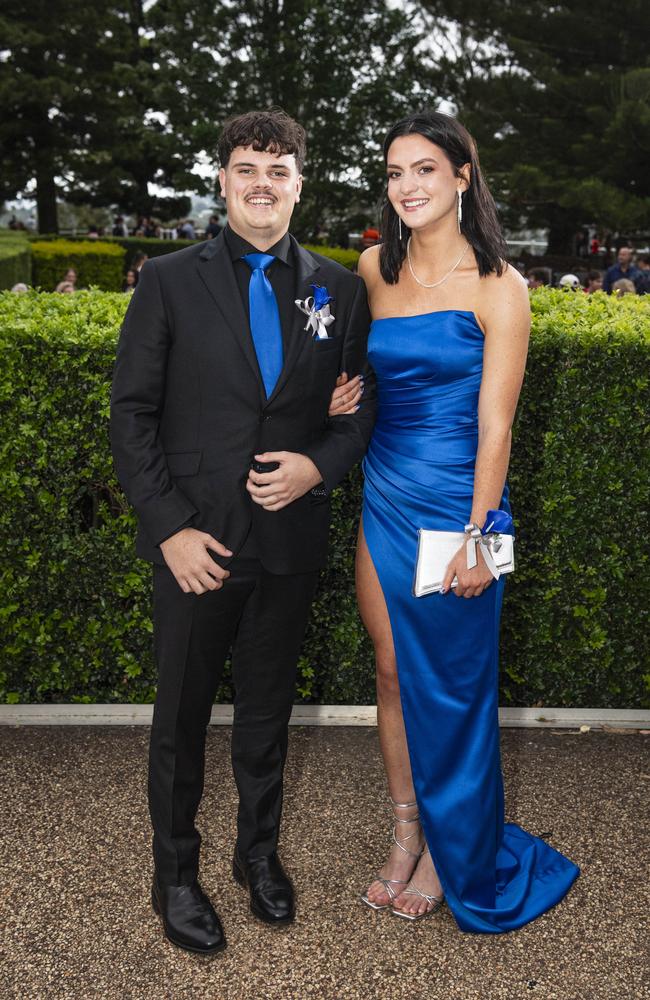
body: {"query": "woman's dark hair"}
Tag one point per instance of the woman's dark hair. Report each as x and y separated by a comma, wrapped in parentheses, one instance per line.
(272, 131)
(480, 225)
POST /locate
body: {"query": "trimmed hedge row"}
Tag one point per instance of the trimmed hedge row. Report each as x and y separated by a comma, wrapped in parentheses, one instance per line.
(348, 258)
(132, 244)
(96, 263)
(15, 259)
(74, 603)
(155, 248)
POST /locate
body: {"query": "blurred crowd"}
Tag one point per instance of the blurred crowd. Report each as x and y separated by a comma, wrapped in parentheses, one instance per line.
(629, 275)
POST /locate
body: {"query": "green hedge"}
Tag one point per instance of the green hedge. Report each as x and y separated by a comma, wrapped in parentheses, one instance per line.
(15, 259)
(132, 244)
(348, 258)
(154, 248)
(96, 262)
(74, 604)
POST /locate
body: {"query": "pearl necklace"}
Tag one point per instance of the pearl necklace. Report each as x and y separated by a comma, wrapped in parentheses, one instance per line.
(435, 283)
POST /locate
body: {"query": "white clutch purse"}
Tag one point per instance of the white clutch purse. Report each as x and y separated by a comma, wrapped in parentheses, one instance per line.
(437, 548)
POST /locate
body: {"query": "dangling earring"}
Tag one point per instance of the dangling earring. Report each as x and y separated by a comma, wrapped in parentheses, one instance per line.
(399, 223)
(460, 208)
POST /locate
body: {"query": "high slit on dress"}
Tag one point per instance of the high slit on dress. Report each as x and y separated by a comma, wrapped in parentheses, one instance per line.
(419, 473)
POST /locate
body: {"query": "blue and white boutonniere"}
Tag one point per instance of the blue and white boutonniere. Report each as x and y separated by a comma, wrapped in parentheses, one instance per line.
(316, 308)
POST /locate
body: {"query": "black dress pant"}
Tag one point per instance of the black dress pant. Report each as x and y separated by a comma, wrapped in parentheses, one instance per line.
(262, 617)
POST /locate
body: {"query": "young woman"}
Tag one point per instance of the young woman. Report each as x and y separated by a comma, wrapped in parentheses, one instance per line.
(69, 281)
(448, 345)
(130, 280)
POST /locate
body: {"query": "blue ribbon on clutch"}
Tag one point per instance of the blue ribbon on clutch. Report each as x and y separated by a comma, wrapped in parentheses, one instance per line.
(498, 522)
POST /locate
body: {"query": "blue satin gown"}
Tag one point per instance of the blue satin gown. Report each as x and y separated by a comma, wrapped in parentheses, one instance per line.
(419, 473)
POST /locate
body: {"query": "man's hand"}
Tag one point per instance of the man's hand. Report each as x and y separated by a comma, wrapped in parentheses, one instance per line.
(186, 554)
(346, 396)
(295, 476)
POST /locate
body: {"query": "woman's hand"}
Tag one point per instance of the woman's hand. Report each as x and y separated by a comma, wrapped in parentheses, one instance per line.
(471, 582)
(346, 396)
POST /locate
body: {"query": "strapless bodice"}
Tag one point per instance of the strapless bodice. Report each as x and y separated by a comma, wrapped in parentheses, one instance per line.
(428, 370)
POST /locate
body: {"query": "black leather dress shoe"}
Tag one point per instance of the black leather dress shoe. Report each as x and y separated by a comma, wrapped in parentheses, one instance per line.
(271, 891)
(189, 919)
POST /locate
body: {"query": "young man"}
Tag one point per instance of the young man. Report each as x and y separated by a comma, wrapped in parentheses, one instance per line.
(223, 444)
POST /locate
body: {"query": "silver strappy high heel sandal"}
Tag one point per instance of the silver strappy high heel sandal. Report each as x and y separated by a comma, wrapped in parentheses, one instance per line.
(388, 883)
(433, 902)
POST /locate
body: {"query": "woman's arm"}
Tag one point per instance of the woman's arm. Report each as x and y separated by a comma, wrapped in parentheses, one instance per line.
(346, 397)
(505, 316)
(506, 319)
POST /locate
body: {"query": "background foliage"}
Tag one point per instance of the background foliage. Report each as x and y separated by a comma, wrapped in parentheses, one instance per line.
(15, 259)
(102, 101)
(96, 263)
(100, 263)
(74, 605)
(558, 98)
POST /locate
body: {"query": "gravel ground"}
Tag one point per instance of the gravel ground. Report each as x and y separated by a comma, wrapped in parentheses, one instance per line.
(75, 871)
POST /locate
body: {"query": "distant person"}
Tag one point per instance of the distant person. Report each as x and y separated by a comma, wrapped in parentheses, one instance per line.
(186, 230)
(213, 228)
(66, 287)
(130, 280)
(537, 277)
(139, 260)
(624, 286)
(93, 233)
(151, 229)
(594, 246)
(370, 237)
(69, 278)
(20, 288)
(642, 280)
(581, 243)
(594, 282)
(119, 227)
(569, 283)
(623, 268)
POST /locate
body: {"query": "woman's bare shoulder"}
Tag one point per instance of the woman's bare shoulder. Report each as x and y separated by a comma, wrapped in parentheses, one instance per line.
(368, 266)
(504, 292)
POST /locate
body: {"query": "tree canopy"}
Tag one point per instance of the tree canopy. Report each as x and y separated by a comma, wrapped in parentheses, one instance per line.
(101, 101)
(558, 98)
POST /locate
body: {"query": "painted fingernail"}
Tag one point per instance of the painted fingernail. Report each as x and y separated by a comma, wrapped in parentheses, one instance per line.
(357, 407)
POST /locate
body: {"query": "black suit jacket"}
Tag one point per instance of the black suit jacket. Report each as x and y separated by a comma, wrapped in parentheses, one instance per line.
(188, 408)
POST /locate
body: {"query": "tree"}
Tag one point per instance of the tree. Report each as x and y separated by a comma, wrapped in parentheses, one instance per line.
(345, 69)
(77, 90)
(557, 97)
(57, 94)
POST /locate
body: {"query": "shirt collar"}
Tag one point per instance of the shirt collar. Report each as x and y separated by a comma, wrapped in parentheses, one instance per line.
(238, 246)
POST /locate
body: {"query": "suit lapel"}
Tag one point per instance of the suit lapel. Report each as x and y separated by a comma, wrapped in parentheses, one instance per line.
(216, 270)
(306, 267)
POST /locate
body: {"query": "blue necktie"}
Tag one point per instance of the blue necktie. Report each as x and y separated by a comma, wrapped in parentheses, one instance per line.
(264, 320)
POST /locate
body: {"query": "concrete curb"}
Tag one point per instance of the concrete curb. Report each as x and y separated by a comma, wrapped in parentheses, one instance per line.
(317, 715)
